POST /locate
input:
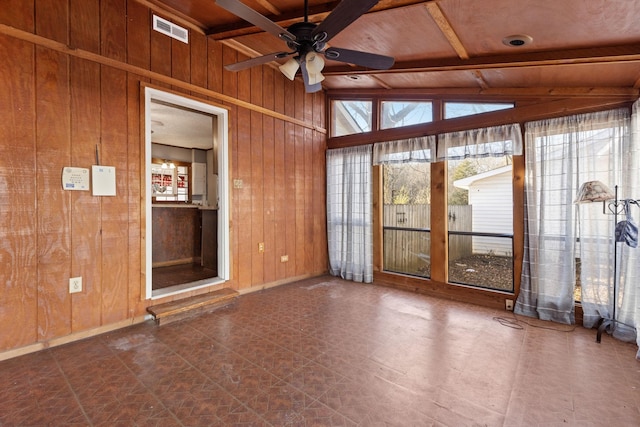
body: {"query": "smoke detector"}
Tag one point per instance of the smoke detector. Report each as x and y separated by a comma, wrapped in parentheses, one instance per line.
(517, 40)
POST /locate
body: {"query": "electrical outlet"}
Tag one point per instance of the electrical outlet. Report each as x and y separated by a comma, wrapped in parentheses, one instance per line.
(508, 304)
(261, 247)
(284, 258)
(75, 285)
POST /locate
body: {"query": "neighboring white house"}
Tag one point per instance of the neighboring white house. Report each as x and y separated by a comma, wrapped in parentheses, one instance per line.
(491, 196)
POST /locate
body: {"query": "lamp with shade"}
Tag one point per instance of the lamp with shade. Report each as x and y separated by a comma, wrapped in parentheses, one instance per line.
(596, 191)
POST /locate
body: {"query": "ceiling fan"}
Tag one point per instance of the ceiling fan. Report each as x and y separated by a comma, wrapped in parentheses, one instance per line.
(307, 41)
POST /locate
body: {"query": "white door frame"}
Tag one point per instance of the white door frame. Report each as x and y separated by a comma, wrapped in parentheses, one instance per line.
(221, 130)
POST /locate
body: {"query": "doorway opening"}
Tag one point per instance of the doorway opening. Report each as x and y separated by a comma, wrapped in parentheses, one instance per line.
(186, 200)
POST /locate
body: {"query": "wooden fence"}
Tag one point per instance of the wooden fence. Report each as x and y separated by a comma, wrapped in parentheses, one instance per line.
(410, 251)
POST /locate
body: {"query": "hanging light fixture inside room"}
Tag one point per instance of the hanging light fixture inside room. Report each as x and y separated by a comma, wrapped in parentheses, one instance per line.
(290, 68)
(314, 64)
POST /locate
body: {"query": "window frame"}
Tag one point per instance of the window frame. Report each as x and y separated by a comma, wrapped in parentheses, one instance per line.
(177, 163)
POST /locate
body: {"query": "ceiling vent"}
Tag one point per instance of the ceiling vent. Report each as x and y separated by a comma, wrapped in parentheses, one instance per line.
(170, 29)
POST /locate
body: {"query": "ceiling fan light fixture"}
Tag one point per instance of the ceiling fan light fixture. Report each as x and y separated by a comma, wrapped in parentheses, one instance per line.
(290, 68)
(314, 64)
(315, 78)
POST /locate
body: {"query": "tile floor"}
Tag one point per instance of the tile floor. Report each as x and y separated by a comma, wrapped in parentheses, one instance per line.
(325, 352)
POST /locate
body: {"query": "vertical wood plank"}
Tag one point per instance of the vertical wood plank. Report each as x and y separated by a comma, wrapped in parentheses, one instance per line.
(115, 218)
(18, 228)
(180, 61)
(272, 256)
(136, 199)
(439, 219)
(320, 188)
(138, 54)
(280, 200)
(378, 219)
(299, 202)
(52, 154)
(113, 152)
(290, 179)
(216, 74)
(319, 205)
(18, 14)
(257, 181)
(113, 29)
(518, 219)
(309, 215)
(160, 60)
(228, 81)
(54, 29)
(242, 195)
(138, 35)
(198, 58)
(85, 136)
(84, 19)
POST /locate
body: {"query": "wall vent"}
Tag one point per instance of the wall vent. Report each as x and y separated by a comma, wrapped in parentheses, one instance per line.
(170, 29)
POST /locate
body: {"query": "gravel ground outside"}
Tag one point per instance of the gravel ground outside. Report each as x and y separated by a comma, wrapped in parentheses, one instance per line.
(490, 271)
(486, 271)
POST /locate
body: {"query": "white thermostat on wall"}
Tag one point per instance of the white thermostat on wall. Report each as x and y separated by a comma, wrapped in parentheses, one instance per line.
(75, 178)
(104, 180)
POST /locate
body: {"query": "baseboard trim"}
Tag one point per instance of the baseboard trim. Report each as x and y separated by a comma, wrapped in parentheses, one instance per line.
(55, 342)
(276, 283)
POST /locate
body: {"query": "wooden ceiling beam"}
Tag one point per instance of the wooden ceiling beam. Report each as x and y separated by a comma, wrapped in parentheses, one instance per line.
(316, 14)
(269, 6)
(594, 55)
(446, 29)
(503, 93)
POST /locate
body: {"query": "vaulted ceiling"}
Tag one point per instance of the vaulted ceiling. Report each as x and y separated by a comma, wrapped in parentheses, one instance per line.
(575, 45)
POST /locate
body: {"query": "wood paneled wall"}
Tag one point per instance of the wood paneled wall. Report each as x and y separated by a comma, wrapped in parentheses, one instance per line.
(60, 105)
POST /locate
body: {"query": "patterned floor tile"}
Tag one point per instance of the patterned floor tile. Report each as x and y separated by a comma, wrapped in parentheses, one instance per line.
(326, 352)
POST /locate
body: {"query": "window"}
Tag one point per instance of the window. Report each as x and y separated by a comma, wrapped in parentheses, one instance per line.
(350, 117)
(461, 109)
(407, 218)
(480, 221)
(170, 181)
(396, 114)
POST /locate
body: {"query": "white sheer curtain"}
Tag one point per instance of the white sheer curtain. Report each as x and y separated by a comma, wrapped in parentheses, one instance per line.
(349, 213)
(492, 141)
(629, 267)
(561, 154)
(420, 149)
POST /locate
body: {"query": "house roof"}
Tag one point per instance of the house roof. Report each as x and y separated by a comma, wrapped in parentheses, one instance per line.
(465, 183)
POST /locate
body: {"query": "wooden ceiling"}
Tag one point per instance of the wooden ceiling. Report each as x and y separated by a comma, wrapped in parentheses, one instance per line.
(454, 45)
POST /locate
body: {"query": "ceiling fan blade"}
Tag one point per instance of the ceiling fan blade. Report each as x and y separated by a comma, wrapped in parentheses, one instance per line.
(363, 59)
(241, 10)
(243, 65)
(344, 14)
(309, 88)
